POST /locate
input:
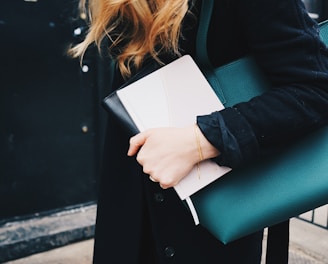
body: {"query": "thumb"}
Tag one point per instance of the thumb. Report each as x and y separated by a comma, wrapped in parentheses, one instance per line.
(136, 143)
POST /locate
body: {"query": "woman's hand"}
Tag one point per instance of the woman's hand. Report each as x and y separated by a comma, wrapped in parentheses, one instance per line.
(169, 154)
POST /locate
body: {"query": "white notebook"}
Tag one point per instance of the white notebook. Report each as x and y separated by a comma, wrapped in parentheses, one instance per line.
(175, 95)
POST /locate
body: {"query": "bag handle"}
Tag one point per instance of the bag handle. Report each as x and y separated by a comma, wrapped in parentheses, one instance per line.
(201, 48)
(201, 40)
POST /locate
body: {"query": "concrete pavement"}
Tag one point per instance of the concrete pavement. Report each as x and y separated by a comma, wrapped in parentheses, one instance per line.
(308, 245)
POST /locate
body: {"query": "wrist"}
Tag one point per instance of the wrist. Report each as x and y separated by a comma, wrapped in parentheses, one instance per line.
(205, 149)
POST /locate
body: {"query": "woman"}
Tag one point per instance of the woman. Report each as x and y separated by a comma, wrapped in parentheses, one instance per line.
(140, 218)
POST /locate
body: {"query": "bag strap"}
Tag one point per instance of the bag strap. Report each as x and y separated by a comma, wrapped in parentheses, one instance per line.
(201, 48)
(201, 40)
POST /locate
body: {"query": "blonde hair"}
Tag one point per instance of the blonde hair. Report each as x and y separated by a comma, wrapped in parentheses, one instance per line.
(135, 29)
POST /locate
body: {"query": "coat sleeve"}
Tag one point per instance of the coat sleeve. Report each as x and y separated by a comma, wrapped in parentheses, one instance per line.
(285, 43)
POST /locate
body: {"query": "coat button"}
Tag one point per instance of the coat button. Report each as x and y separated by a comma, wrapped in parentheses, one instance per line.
(169, 252)
(159, 197)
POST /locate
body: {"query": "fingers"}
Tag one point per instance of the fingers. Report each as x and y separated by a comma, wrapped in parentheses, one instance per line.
(152, 179)
(154, 155)
(163, 186)
(136, 143)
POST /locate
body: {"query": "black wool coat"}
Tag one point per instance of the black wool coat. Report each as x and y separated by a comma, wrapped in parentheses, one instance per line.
(137, 221)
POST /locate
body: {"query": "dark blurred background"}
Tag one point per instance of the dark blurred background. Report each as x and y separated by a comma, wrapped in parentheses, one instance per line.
(50, 114)
(318, 9)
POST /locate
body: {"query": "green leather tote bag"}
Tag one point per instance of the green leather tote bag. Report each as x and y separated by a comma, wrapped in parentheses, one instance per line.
(249, 199)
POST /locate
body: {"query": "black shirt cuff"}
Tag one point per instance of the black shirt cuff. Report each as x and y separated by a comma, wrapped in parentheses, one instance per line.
(231, 134)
